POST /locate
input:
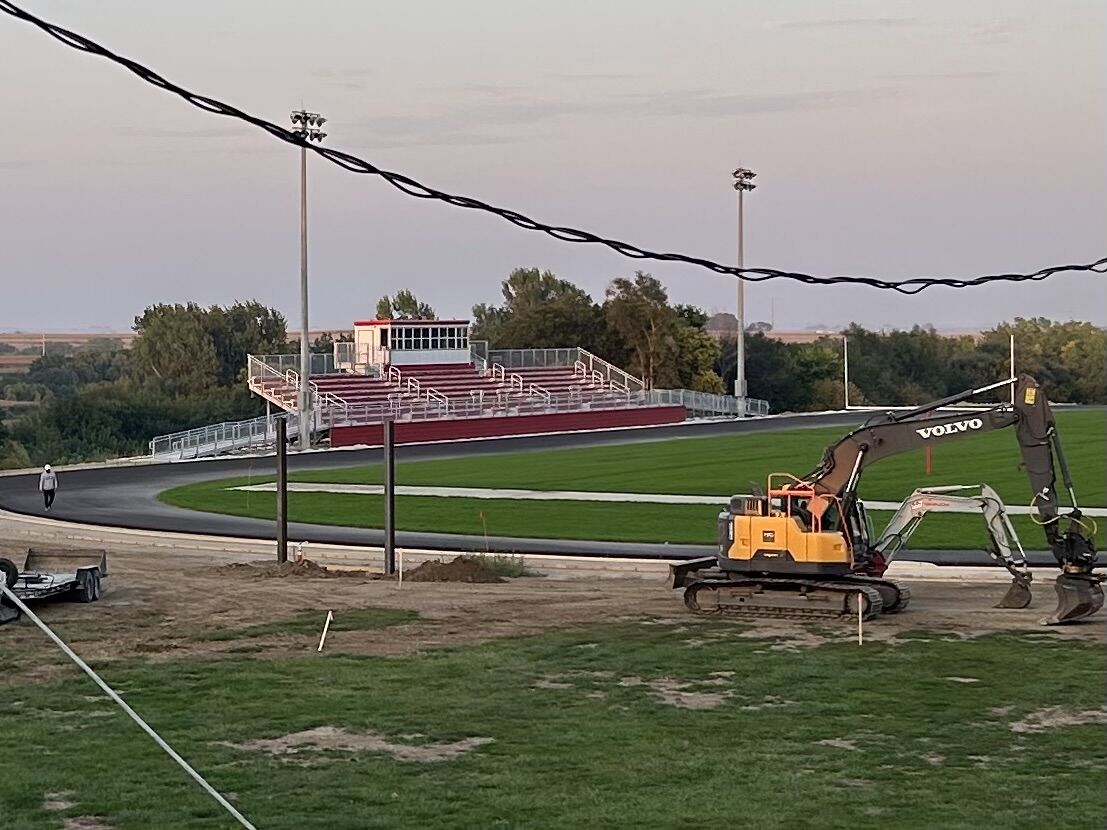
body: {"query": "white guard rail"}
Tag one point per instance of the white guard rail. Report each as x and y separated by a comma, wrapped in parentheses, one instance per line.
(230, 436)
(612, 375)
(706, 404)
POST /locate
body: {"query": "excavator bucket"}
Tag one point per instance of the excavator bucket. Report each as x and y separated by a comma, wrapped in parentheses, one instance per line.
(1018, 595)
(1078, 596)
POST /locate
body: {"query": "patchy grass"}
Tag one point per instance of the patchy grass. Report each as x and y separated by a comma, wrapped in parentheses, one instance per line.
(619, 725)
(714, 466)
(311, 622)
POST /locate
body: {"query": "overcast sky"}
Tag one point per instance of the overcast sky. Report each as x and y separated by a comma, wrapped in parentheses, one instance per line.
(892, 139)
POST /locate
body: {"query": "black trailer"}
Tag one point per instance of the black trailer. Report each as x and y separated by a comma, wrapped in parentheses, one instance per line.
(70, 574)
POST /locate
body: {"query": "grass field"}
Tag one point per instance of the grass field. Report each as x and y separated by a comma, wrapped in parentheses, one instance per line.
(710, 466)
(588, 728)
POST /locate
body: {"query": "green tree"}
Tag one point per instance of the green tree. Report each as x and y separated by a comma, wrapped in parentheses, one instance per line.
(61, 372)
(693, 316)
(174, 348)
(324, 343)
(1069, 358)
(404, 305)
(242, 329)
(539, 311)
(697, 352)
(641, 321)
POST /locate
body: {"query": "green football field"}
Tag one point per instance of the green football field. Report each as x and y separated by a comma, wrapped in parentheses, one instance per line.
(700, 466)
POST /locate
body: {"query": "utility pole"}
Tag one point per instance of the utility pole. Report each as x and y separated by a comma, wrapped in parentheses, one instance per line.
(282, 490)
(307, 127)
(743, 181)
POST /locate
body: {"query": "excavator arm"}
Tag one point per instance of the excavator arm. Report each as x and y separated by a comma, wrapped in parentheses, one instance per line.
(889, 434)
(1069, 536)
(1005, 545)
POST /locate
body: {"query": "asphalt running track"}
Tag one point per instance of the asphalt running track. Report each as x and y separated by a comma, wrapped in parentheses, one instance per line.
(126, 496)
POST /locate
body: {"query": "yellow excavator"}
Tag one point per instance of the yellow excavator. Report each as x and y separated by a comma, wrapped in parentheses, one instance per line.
(805, 546)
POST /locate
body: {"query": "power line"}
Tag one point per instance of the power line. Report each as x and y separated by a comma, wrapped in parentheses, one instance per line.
(414, 188)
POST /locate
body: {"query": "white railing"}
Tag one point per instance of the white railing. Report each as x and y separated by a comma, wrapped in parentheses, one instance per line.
(612, 374)
(757, 407)
(533, 358)
(214, 439)
(329, 400)
(406, 409)
(270, 384)
(569, 358)
(540, 392)
(706, 403)
(517, 383)
(321, 363)
(442, 401)
(498, 372)
(478, 353)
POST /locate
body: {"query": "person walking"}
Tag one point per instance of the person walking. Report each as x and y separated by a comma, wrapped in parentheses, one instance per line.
(48, 484)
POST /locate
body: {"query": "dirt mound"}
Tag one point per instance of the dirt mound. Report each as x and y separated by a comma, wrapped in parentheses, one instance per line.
(281, 570)
(461, 569)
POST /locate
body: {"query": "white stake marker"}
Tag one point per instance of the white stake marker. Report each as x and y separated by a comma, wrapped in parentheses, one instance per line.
(860, 604)
(326, 628)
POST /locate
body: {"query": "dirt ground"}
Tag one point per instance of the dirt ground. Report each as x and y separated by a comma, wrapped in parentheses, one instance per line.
(162, 606)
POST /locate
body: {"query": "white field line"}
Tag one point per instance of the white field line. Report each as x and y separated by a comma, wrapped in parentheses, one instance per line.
(576, 495)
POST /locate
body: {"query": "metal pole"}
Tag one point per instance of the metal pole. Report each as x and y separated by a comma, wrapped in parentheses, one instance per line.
(740, 352)
(282, 490)
(304, 404)
(845, 369)
(389, 446)
(1012, 373)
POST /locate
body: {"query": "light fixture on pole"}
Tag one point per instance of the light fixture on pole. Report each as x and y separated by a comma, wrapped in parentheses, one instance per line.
(307, 126)
(743, 181)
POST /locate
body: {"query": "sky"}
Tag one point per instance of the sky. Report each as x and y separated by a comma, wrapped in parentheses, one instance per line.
(891, 139)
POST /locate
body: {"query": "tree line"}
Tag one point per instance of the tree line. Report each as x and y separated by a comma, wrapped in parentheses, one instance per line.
(187, 365)
(667, 345)
(185, 368)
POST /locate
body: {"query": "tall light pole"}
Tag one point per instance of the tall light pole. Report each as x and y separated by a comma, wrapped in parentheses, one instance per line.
(307, 126)
(742, 183)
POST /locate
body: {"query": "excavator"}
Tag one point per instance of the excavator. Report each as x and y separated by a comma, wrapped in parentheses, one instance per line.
(805, 547)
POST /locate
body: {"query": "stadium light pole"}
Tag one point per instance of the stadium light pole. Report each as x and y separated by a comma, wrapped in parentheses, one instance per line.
(307, 126)
(743, 182)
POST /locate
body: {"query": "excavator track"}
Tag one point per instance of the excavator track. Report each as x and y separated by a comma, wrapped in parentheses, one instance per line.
(753, 597)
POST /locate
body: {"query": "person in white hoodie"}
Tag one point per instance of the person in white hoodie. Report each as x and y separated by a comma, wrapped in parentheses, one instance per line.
(48, 484)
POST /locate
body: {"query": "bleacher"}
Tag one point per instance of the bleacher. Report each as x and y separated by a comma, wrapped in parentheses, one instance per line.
(458, 390)
(426, 377)
(426, 374)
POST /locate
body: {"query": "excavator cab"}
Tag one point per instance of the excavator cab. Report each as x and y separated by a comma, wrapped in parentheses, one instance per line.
(793, 529)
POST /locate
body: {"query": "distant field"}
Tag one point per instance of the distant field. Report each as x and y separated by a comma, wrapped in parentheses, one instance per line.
(707, 466)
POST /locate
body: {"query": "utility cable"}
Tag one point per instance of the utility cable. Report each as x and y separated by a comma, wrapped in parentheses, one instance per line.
(131, 713)
(414, 188)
